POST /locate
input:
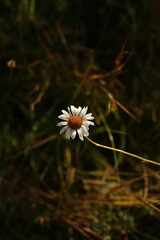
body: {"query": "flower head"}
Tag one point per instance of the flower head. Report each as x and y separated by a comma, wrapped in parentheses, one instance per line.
(75, 121)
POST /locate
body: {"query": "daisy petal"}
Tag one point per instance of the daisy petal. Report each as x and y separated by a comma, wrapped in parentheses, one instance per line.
(65, 113)
(69, 111)
(73, 110)
(80, 134)
(88, 116)
(63, 117)
(73, 134)
(63, 129)
(62, 123)
(86, 122)
(85, 131)
(79, 110)
(68, 133)
(83, 112)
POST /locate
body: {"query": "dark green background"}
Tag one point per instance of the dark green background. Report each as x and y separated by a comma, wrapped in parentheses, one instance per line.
(52, 41)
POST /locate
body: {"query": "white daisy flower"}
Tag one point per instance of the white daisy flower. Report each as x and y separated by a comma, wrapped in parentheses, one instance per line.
(75, 121)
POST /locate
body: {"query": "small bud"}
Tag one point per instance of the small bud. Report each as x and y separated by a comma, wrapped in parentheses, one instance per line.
(11, 63)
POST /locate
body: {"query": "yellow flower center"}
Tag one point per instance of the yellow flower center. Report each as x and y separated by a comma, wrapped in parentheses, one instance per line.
(75, 122)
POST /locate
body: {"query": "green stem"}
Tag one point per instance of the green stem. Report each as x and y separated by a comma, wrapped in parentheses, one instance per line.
(121, 151)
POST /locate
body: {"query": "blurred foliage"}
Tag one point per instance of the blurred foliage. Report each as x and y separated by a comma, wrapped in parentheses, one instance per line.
(101, 54)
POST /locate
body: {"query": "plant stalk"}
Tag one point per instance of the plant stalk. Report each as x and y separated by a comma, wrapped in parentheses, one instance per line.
(124, 152)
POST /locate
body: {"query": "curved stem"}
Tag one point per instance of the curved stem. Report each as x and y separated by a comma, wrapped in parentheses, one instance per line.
(124, 152)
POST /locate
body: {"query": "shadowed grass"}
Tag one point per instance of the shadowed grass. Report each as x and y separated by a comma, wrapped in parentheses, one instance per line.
(57, 53)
